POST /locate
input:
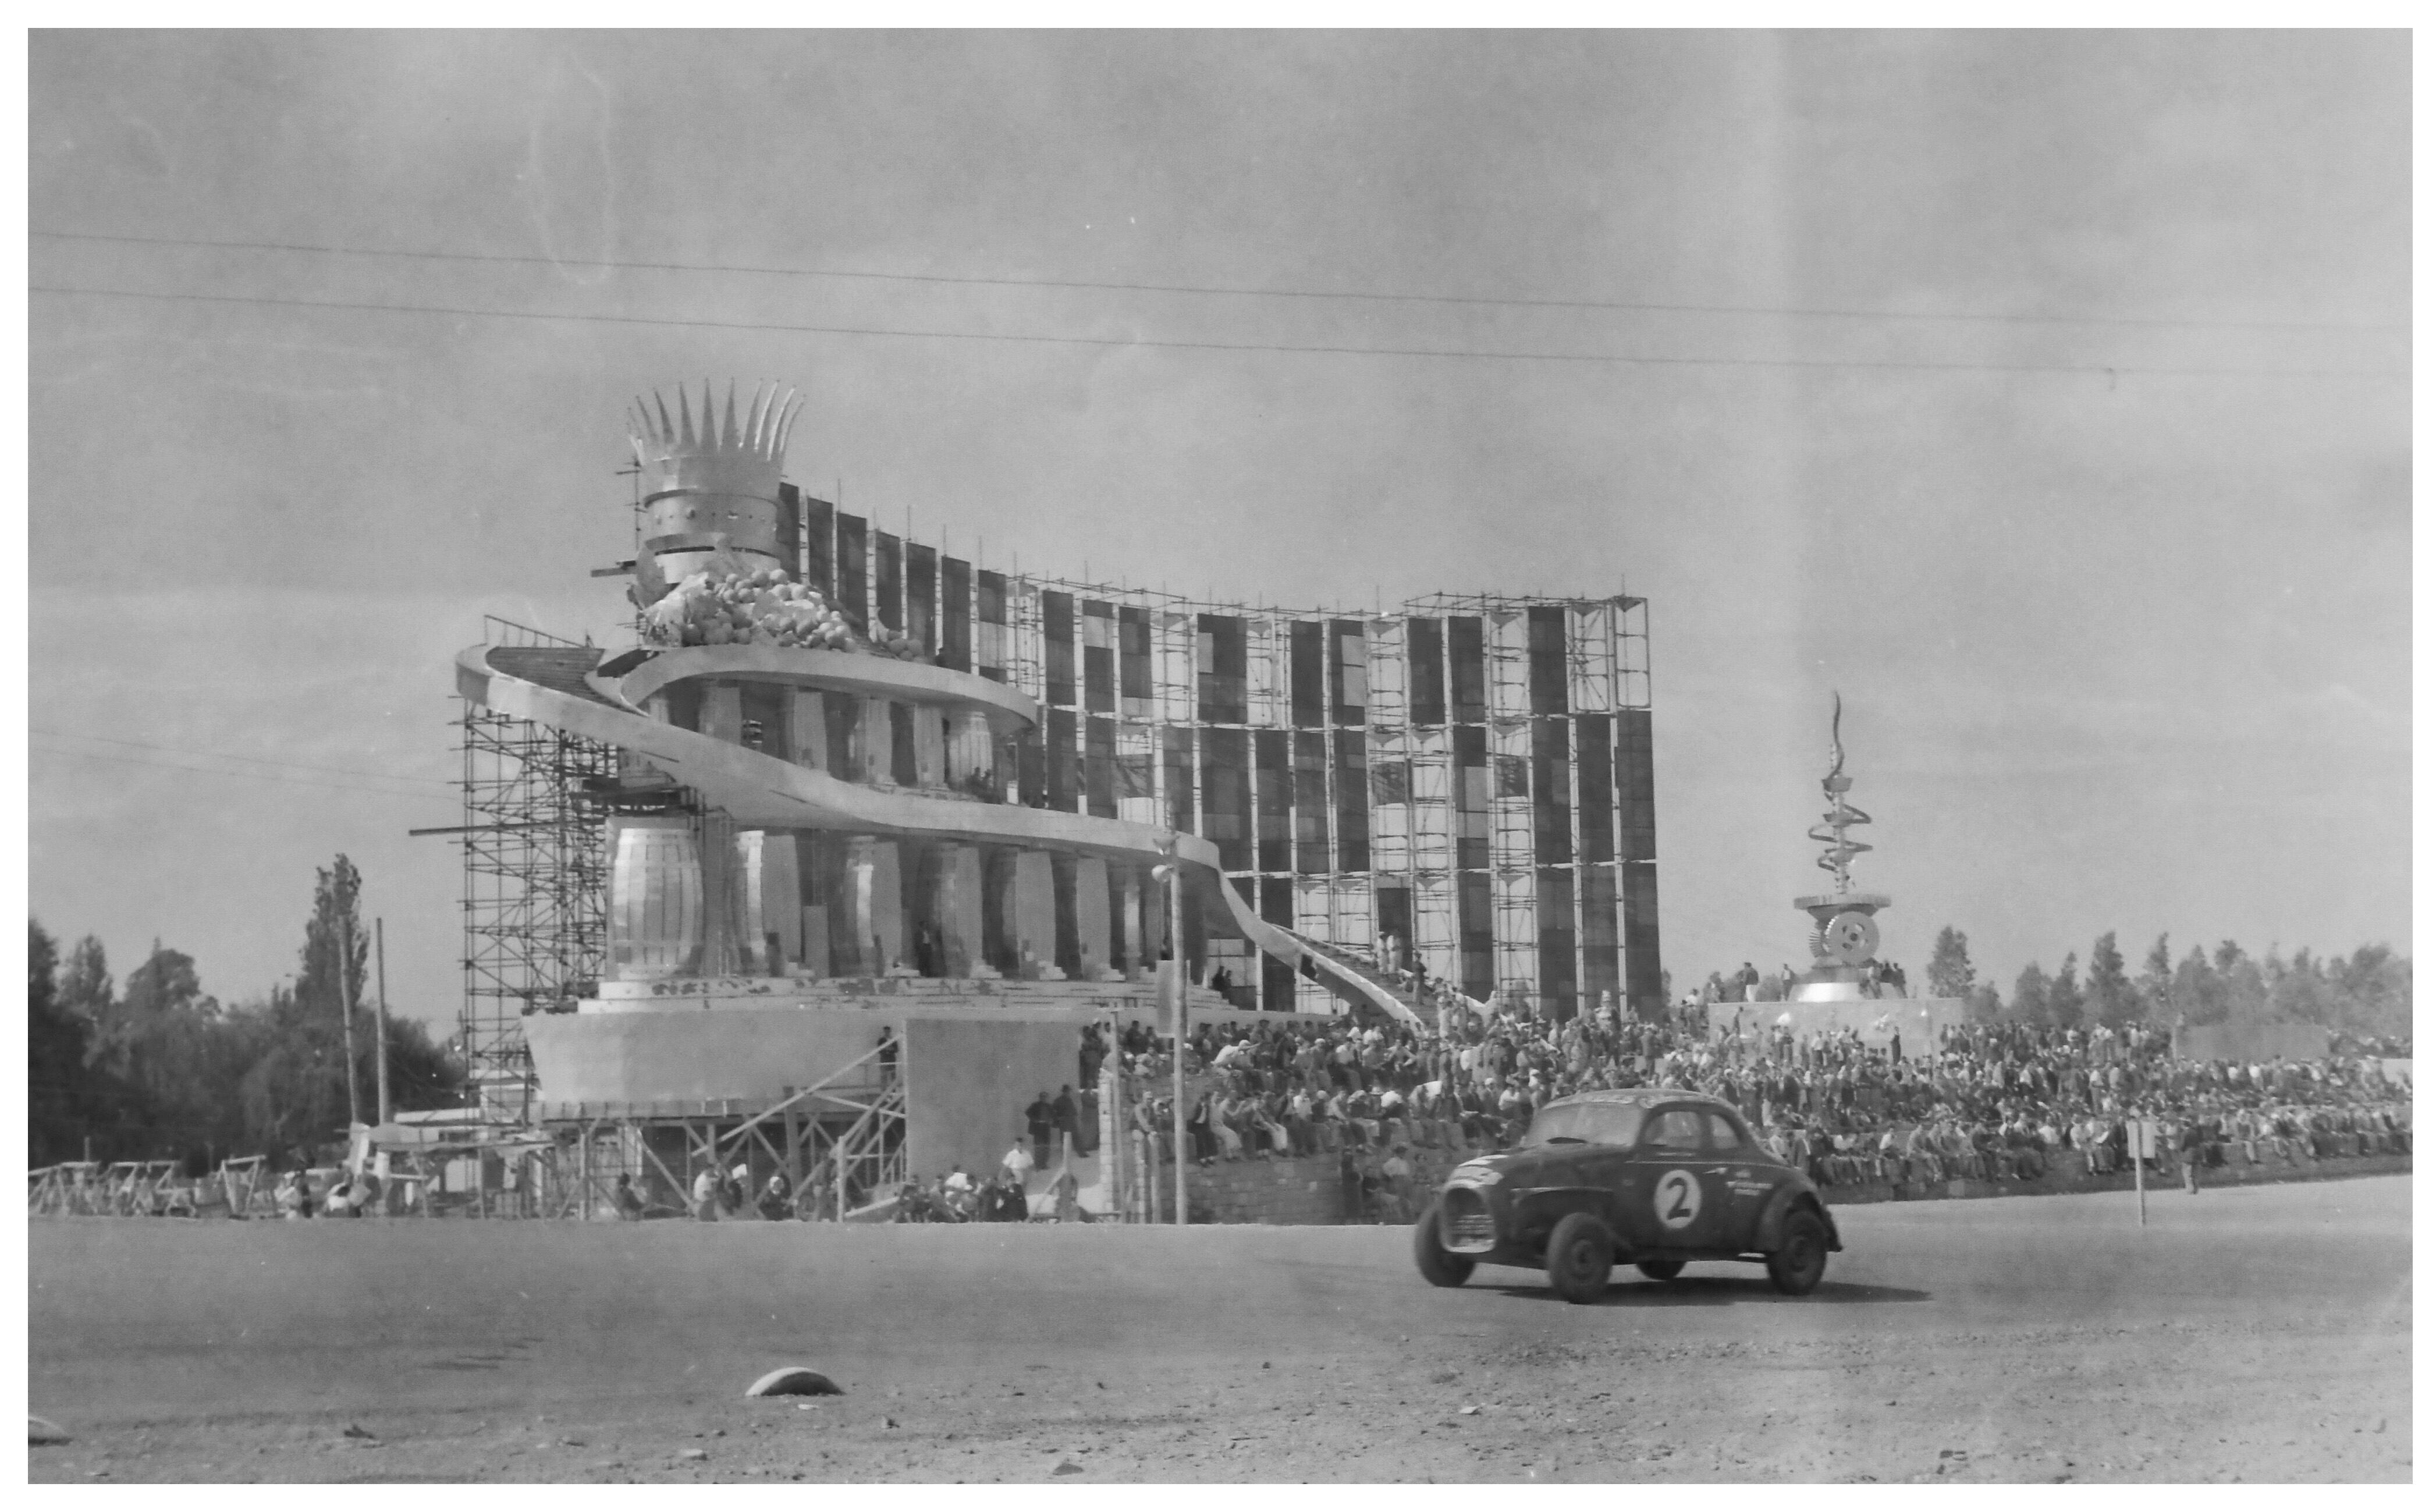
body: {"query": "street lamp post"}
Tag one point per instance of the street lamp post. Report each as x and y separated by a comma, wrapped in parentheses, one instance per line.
(1170, 874)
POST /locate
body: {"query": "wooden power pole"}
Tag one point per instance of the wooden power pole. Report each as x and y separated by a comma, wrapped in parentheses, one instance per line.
(347, 1020)
(380, 1024)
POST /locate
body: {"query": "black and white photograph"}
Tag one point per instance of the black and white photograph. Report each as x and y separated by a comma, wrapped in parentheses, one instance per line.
(1309, 755)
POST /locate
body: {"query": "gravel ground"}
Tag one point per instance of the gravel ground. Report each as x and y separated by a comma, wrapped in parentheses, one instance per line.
(2259, 1334)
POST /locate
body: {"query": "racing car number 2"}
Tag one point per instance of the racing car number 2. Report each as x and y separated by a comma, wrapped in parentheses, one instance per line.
(1678, 1199)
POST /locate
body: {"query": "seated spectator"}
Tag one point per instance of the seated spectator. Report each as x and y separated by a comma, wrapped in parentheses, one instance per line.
(775, 1203)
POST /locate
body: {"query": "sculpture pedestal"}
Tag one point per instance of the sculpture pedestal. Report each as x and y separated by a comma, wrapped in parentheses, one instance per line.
(1877, 1020)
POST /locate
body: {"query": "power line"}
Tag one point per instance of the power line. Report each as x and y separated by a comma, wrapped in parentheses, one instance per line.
(226, 756)
(2082, 369)
(1247, 291)
(223, 772)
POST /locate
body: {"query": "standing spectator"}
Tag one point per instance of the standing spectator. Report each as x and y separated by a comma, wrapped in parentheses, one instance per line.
(705, 1195)
(1040, 1121)
(1061, 1116)
(1018, 1162)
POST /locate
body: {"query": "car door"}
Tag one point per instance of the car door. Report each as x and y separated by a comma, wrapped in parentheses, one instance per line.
(1748, 1180)
(1681, 1186)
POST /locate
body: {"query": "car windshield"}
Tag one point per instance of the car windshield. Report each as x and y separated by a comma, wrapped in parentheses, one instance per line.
(1585, 1123)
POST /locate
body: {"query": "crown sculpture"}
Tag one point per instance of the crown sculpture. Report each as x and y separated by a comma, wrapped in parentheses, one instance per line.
(708, 486)
(712, 568)
(1844, 936)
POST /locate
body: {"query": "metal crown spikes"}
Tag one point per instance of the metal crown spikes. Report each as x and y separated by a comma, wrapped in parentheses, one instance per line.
(769, 420)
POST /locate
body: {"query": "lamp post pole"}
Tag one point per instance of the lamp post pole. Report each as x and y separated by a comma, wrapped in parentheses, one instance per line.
(1174, 876)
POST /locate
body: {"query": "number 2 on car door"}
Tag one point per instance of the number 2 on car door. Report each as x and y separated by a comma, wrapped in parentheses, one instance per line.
(1678, 1198)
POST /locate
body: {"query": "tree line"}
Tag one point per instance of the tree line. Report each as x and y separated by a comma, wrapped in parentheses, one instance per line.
(2364, 993)
(159, 1069)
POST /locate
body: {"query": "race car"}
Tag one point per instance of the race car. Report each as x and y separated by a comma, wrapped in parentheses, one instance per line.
(1655, 1178)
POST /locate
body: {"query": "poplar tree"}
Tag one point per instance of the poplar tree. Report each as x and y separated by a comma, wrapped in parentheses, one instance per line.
(2111, 998)
(1950, 974)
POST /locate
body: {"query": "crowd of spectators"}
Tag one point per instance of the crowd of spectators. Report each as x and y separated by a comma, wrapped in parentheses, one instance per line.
(1985, 1101)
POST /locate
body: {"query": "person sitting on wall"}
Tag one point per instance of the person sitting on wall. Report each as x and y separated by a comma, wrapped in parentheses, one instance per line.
(993, 1199)
(956, 1195)
(774, 1204)
(630, 1202)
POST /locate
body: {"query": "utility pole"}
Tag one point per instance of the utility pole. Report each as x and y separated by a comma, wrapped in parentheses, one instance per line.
(1113, 1125)
(381, 1021)
(347, 1016)
(2141, 1146)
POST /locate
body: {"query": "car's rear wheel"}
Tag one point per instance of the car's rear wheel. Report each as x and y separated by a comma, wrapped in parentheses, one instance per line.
(1800, 1260)
(1436, 1266)
(1661, 1270)
(1581, 1255)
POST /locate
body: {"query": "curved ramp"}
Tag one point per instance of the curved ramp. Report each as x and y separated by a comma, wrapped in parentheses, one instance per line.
(565, 687)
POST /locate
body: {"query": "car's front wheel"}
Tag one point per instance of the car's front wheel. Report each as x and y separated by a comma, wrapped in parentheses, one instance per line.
(1436, 1266)
(1661, 1270)
(1581, 1255)
(1800, 1260)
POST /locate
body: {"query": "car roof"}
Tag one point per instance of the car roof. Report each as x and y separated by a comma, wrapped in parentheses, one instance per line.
(1644, 1097)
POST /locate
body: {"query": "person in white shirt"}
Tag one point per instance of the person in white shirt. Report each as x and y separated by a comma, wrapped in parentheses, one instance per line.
(1018, 1162)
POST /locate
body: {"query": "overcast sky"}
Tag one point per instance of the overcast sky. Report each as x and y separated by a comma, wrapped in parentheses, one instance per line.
(2046, 394)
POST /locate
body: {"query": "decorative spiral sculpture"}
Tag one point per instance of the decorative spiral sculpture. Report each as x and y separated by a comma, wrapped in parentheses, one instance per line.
(1837, 858)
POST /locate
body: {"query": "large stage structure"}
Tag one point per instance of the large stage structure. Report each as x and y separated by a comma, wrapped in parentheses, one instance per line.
(853, 791)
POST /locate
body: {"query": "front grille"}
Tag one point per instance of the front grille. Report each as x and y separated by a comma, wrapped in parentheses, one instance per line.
(1464, 1224)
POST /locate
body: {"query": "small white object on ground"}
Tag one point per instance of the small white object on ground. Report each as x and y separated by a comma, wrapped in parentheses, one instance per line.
(794, 1381)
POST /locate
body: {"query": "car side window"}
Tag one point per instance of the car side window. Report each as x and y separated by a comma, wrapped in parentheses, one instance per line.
(1675, 1131)
(1723, 1138)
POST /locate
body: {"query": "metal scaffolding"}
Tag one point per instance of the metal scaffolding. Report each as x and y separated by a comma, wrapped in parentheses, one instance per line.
(536, 891)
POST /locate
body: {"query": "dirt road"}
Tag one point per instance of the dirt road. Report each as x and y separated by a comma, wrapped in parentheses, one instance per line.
(2260, 1333)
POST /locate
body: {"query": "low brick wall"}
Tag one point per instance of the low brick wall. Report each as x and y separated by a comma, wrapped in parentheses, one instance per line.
(2234, 1174)
(1303, 1191)
(1309, 1189)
